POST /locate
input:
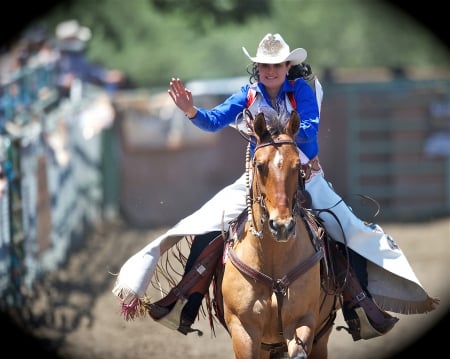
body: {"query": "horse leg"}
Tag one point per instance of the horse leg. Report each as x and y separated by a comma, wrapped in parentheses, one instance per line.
(301, 344)
(297, 349)
(265, 354)
(244, 347)
(246, 342)
(320, 348)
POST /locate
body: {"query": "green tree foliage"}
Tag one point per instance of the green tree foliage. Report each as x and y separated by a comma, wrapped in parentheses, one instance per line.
(203, 14)
(154, 40)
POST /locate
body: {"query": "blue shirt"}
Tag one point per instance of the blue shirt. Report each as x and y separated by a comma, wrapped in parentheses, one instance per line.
(76, 63)
(306, 105)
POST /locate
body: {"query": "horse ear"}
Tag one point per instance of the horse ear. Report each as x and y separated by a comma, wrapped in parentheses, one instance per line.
(260, 126)
(293, 125)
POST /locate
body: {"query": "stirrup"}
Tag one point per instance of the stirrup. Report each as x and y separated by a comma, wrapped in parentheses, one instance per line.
(367, 330)
(360, 327)
(172, 319)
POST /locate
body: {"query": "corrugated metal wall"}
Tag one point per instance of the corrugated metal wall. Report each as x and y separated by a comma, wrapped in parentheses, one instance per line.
(377, 140)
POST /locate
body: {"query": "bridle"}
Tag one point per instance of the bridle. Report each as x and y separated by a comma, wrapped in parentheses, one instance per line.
(258, 197)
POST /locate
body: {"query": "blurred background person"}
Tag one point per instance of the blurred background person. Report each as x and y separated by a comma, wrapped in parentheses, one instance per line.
(37, 47)
(71, 42)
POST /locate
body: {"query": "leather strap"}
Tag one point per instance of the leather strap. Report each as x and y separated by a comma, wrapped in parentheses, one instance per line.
(353, 289)
(312, 165)
(279, 286)
(204, 266)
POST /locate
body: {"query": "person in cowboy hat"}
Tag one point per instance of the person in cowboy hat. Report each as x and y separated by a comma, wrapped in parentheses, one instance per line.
(71, 41)
(269, 90)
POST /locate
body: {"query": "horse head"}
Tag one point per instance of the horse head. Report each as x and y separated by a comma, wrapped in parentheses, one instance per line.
(276, 168)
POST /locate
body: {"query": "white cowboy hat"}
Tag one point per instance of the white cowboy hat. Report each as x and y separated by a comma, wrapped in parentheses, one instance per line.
(274, 50)
(71, 29)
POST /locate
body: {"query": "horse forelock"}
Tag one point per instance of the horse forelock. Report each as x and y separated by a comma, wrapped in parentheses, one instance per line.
(276, 125)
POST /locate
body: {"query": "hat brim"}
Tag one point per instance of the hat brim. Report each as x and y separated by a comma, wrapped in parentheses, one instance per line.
(296, 57)
(71, 30)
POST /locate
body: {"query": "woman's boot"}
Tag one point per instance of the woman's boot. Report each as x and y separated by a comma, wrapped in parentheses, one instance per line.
(365, 319)
(179, 308)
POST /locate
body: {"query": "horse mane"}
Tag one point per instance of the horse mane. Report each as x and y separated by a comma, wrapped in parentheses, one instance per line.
(275, 124)
(275, 121)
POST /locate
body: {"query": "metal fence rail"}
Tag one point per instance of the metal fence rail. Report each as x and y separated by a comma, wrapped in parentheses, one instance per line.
(51, 178)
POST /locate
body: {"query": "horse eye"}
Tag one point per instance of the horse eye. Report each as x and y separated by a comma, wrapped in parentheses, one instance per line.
(259, 166)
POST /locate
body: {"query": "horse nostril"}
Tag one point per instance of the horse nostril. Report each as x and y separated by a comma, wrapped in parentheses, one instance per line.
(273, 225)
(277, 227)
(291, 225)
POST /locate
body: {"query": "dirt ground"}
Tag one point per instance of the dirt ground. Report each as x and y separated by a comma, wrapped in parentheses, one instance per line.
(76, 316)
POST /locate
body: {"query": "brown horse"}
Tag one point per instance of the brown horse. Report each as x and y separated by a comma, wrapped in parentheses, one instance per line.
(274, 303)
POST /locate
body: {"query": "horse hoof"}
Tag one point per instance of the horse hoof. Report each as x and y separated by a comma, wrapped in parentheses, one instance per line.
(296, 350)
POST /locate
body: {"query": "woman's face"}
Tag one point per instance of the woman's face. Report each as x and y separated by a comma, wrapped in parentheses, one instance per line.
(273, 75)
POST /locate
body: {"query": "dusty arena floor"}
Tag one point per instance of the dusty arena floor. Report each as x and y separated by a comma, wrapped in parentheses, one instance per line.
(77, 316)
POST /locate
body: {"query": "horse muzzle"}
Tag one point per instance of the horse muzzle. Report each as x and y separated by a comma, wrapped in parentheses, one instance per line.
(282, 230)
